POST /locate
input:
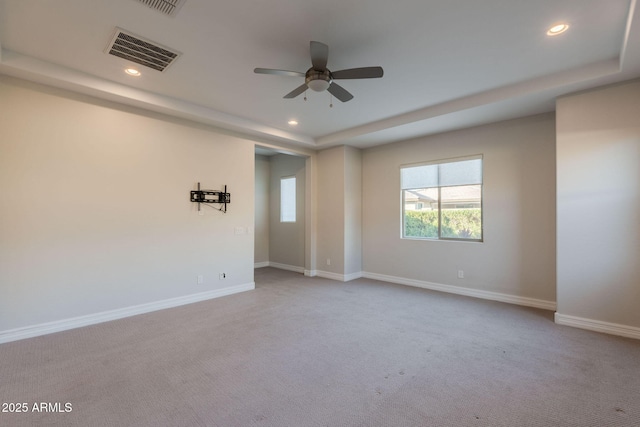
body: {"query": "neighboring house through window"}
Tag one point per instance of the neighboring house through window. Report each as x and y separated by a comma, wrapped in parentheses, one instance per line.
(442, 199)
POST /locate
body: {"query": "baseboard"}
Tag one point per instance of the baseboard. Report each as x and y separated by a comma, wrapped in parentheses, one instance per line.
(476, 293)
(353, 276)
(311, 273)
(330, 275)
(261, 264)
(106, 316)
(598, 326)
(286, 267)
(339, 277)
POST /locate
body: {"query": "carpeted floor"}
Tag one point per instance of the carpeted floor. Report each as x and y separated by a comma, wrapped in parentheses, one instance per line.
(303, 351)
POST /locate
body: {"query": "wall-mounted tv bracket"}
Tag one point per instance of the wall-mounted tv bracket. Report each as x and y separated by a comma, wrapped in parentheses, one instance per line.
(209, 196)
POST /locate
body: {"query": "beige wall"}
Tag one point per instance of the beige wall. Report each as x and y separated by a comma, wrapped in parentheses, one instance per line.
(95, 212)
(517, 257)
(331, 218)
(353, 211)
(598, 173)
(287, 240)
(262, 186)
(340, 212)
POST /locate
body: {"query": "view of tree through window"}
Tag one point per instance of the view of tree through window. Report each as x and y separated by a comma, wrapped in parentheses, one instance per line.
(443, 200)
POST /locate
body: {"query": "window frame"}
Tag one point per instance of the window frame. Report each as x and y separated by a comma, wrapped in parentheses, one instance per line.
(439, 188)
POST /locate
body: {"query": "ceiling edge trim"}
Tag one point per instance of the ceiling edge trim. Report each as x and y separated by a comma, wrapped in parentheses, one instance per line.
(35, 70)
(592, 71)
(627, 32)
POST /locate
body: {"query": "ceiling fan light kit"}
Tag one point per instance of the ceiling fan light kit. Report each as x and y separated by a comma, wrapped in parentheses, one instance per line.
(319, 78)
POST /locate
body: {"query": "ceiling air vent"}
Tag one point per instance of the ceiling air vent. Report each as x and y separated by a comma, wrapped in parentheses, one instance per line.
(144, 52)
(167, 7)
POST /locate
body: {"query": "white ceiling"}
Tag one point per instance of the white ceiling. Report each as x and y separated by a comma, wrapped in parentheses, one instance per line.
(448, 64)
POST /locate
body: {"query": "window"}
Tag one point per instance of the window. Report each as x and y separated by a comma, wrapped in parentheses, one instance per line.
(288, 199)
(442, 200)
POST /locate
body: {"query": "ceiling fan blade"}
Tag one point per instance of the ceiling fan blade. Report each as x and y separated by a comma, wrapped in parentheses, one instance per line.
(319, 55)
(278, 72)
(339, 92)
(297, 91)
(359, 73)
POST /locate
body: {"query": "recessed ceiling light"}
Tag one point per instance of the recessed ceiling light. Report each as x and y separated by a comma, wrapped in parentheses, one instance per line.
(132, 72)
(293, 122)
(557, 29)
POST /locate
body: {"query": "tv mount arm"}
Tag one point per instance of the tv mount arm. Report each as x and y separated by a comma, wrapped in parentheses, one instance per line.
(209, 196)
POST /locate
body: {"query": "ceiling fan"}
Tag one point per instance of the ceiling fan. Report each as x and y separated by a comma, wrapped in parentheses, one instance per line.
(320, 78)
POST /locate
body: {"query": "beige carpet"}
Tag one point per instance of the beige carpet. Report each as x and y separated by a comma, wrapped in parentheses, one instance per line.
(314, 352)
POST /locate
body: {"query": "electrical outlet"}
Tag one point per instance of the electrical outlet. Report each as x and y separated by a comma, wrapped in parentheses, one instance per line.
(200, 279)
(460, 274)
(328, 261)
(222, 276)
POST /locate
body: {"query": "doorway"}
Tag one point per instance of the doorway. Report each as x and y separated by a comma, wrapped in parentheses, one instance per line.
(279, 241)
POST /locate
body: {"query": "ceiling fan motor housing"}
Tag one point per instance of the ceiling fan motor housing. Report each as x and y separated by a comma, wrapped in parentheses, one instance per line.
(318, 80)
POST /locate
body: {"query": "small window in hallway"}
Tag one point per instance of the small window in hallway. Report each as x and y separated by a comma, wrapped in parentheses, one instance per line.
(288, 199)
